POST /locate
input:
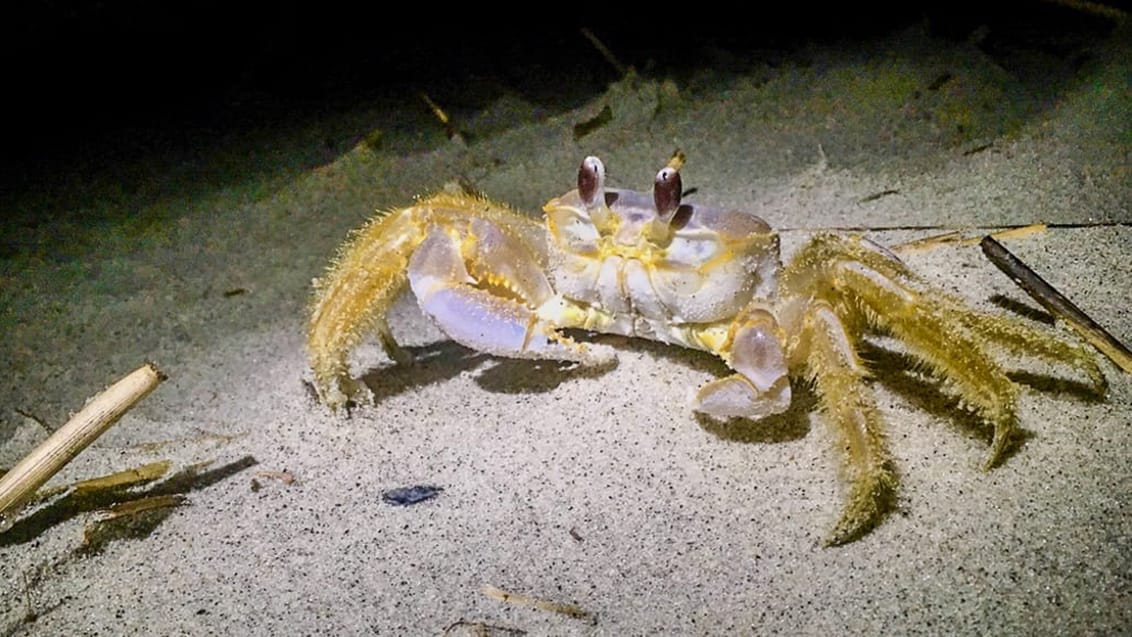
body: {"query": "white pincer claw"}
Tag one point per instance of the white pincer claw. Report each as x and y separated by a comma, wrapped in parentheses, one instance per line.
(761, 385)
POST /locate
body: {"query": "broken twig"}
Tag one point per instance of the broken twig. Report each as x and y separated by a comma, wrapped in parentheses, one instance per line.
(1056, 303)
(569, 610)
(582, 129)
(482, 629)
(957, 237)
(621, 69)
(128, 478)
(449, 128)
(134, 507)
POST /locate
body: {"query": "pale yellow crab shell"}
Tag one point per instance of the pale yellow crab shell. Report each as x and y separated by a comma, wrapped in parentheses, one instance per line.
(704, 265)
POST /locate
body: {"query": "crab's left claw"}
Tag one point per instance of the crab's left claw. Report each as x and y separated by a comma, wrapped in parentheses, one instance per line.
(761, 386)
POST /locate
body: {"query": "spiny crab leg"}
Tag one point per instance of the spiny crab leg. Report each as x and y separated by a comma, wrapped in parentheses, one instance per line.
(481, 259)
(836, 372)
(353, 298)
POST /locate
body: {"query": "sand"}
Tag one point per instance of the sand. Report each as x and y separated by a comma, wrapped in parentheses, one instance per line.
(598, 490)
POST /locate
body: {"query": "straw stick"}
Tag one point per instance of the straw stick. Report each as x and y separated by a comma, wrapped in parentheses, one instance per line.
(20, 484)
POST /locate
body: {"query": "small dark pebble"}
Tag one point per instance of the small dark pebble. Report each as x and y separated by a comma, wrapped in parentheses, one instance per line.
(404, 496)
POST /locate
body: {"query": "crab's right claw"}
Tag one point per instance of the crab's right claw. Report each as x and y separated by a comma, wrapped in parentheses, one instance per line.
(761, 386)
(482, 290)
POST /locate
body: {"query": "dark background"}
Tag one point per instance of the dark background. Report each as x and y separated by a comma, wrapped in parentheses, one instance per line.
(98, 79)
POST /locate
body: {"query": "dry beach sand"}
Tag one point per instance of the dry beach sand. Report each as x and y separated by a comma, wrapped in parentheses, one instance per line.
(599, 490)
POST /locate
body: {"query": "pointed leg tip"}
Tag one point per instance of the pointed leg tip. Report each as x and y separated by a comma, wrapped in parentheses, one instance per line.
(1004, 441)
(342, 395)
(847, 531)
(869, 503)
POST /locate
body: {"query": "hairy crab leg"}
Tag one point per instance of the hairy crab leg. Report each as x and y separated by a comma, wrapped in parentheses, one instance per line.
(864, 280)
(980, 381)
(851, 279)
(371, 271)
(1023, 339)
(352, 299)
(839, 378)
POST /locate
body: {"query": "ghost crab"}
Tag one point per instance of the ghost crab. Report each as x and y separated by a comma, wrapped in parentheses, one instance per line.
(646, 264)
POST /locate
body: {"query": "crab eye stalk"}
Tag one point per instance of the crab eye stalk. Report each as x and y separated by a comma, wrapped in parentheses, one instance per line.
(591, 182)
(666, 192)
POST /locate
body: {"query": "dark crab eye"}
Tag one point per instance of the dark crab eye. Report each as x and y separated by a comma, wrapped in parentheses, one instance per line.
(666, 192)
(682, 216)
(591, 181)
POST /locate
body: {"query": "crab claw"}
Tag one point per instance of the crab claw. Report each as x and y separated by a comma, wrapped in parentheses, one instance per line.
(761, 386)
(492, 310)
